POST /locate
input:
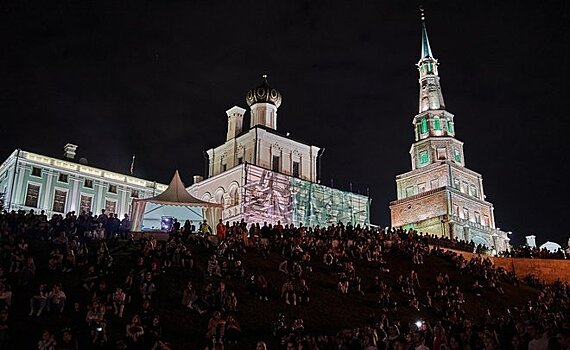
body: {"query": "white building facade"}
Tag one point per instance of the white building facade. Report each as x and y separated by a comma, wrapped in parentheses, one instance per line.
(31, 181)
(260, 175)
(440, 195)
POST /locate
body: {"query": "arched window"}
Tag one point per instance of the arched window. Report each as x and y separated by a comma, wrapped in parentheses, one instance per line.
(450, 126)
(424, 125)
(436, 123)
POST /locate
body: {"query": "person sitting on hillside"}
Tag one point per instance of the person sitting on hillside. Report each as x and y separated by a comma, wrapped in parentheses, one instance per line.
(302, 291)
(135, 333)
(216, 327)
(342, 283)
(283, 267)
(477, 288)
(148, 288)
(56, 299)
(288, 293)
(213, 266)
(232, 331)
(38, 301)
(261, 287)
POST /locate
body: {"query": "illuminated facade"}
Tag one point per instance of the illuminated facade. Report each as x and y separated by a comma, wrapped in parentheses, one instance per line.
(260, 175)
(440, 195)
(58, 186)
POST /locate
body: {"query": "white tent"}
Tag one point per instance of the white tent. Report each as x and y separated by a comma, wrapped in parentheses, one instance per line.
(550, 246)
(177, 200)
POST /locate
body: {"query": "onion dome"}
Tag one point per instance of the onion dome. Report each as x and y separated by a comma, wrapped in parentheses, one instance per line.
(263, 94)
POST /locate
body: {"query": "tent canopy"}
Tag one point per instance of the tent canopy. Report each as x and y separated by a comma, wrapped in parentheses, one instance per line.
(175, 195)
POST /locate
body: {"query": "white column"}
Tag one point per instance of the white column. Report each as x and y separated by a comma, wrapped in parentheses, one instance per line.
(47, 190)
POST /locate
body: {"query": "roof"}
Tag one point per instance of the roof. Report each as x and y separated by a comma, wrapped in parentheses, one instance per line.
(176, 194)
(426, 49)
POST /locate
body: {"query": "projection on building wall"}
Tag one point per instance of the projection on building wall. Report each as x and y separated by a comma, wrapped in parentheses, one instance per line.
(270, 196)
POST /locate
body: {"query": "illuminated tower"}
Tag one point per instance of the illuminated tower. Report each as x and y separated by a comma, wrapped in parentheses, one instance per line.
(440, 195)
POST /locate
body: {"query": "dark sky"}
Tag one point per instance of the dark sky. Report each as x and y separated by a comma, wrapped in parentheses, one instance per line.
(155, 79)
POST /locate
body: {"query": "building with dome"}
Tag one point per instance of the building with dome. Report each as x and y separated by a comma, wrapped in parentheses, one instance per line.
(440, 195)
(261, 175)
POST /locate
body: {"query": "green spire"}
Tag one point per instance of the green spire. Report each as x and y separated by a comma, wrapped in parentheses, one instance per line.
(426, 49)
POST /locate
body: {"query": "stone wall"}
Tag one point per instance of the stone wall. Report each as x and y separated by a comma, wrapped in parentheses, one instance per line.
(546, 269)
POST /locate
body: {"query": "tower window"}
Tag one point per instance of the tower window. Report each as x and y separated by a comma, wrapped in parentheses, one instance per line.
(450, 126)
(436, 123)
(455, 210)
(424, 125)
(457, 156)
(276, 164)
(240, 160)
(422, 187)
(224, 167)
(424, 159)
(112, 188)
(62, 178)
(88, 183)
(434, 183)
(441, 154)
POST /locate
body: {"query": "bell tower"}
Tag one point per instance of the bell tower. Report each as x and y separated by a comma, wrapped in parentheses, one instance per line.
(440, 195)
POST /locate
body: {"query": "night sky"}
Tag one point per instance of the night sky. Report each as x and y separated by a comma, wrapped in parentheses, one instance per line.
(155, 79)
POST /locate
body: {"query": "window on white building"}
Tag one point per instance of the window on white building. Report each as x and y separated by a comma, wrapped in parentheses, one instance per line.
(110, 206)
(466, 213)
(486, 220)
(59, 199)
(36, 171)
(62, 178)
(224, 167)
(457, 183)
(32, 196)
(276, 164)
(85, 205)
(455, 210)
(473, 190)
(88, 183)
(296, 167)
(409, 191)
(240, 160)
(477, 217)
(112, 188)
(134, 193)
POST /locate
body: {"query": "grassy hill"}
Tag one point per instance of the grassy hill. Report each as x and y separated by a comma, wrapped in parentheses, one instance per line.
(328, 312)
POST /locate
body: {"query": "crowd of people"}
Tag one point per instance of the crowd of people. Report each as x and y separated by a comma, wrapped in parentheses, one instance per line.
(524, 251)
(97, 304)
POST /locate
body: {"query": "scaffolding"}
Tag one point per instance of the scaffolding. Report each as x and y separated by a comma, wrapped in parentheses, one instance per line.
(271, 196)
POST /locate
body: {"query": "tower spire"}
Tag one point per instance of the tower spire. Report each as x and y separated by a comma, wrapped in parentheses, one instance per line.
(426, 49)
